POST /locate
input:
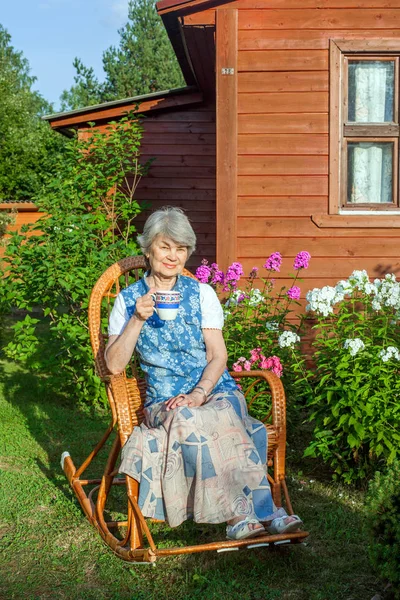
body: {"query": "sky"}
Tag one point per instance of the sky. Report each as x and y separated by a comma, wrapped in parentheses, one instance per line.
(51, 33)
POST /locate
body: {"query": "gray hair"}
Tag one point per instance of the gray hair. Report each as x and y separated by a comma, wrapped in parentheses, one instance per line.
(170, 222)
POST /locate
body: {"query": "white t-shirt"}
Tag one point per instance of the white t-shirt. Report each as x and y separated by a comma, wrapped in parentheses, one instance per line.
(212, 316)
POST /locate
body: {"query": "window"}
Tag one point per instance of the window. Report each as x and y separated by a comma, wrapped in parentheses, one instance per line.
(364, 127)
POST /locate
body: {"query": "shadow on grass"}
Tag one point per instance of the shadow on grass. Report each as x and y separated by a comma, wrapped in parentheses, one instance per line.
(53, 422)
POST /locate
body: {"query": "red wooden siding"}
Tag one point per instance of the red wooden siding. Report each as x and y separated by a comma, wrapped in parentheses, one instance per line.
(283, 142)
(183, 172)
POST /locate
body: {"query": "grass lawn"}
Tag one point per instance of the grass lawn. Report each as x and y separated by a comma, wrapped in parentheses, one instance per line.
(49, 551)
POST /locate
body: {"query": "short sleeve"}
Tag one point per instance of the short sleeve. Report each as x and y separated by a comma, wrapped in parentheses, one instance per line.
(119, 317)
(212, 316)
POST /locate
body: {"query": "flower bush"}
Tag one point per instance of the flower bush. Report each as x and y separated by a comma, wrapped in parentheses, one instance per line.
(356, 401)
(259, 332)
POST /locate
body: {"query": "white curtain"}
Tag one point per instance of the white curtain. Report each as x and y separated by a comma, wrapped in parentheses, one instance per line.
(370, 165)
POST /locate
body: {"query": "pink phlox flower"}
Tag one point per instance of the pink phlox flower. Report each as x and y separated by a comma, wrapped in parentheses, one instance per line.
(272, 363)
(247, 365)
(301, 260)
(237, 366)
(294, 292)
(255, 355)
(234, 273)
(217, 276)
(273, 262)
(203, 273)
(204, 261)
(253, 273)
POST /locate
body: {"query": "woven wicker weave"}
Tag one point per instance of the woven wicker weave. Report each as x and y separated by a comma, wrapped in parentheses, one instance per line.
(126, 395)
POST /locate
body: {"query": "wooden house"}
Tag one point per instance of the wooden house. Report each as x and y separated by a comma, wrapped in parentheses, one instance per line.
(286, 136)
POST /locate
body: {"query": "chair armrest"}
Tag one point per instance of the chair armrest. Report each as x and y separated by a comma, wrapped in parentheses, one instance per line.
(277, 395)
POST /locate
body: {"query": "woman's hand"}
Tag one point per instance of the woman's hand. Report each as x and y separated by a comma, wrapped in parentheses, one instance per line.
(145, 306)
(195, 398)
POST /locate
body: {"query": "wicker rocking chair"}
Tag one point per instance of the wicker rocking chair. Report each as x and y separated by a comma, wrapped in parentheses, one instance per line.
(125, 535)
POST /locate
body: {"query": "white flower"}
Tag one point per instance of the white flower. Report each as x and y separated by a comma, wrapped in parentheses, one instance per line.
(370, 288)
(321, 300)
(390, 352)
(358, 279)
(272, 325)
(344, 287)
(255, 297)
(389, 292)
(354, 345)
(287, 339)
(376, 305)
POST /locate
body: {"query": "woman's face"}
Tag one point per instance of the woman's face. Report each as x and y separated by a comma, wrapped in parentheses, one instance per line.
(167, 258)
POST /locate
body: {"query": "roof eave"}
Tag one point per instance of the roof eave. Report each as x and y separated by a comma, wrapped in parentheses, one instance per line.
(115, 109)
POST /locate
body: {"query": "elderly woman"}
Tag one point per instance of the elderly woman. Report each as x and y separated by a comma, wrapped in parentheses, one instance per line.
(198, 453)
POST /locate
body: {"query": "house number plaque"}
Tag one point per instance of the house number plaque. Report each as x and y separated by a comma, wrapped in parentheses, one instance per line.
(227, 71)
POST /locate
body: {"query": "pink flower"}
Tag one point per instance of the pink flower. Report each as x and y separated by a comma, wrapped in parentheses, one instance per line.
(302, 259)
(232, 276)
(203, 273)
(273, 262)
(217, 276)
(237, 367)
(272, 363)
(253, 273)
(294, 292)
(247, 365)
(255, 355)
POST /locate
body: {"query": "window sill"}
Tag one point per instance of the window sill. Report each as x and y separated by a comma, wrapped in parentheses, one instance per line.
(380, 221)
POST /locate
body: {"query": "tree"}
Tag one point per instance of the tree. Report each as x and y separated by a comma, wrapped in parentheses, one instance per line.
(144, 62)
(28, 146)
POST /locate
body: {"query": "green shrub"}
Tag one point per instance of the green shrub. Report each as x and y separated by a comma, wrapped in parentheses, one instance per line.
(383, 524)
(356, 403)
(90, 209)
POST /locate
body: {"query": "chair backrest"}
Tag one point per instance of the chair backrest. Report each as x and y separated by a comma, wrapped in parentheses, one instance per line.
(108, 286)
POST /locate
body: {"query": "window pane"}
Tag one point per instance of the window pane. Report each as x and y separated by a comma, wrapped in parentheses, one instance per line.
(369, 172)
(371, 91)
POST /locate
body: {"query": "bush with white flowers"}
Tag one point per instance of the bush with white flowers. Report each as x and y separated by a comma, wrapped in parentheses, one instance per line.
(356, 402)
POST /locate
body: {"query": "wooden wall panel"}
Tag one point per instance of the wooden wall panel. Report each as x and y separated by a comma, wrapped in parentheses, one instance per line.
(344, 18)
(291, 227)
(269, 185)
(283, 123)
(286, 165)
(281, 206)
(283, 102)
(319, 247)
(289, 81)
(282, 144)
(183, 172)
(302, 39)
(285, 60)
